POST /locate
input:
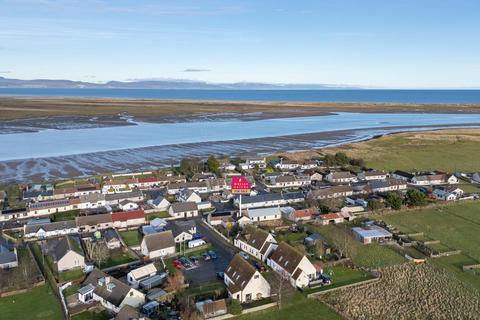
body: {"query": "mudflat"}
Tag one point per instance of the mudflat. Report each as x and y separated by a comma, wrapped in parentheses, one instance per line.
(152, 110)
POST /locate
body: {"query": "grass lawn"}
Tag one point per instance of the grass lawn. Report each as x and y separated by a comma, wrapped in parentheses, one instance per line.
(40, 303)
(159, 214)
(435, 150)
(117, 258)
(469, 188)
(131, 238)
(370, 256)
(206, 288)
(64, 216)
(292, 237)
(70, 275)
(90, 315)
(71, 290)
(454, 265)
(342, 276)
(299, 307)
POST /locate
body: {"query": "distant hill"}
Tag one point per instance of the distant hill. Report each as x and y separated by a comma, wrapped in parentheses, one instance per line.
(164, 84)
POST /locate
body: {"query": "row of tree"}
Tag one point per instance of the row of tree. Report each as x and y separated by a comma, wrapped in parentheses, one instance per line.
(395, 200)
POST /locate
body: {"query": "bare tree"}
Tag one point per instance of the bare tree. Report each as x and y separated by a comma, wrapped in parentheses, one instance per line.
(175, 282)
(97, 251)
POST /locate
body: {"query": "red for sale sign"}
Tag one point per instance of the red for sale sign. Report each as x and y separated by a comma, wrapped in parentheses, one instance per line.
(240, 185)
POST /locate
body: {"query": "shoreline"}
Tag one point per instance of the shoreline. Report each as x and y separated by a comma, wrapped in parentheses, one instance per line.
(151, 158)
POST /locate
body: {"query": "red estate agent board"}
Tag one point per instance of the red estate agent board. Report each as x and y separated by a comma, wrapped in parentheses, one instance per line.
(240, 185)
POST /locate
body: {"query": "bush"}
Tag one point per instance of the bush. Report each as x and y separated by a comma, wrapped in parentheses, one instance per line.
(374, 205)
(416, 198)
(234, 307)
(394, 200)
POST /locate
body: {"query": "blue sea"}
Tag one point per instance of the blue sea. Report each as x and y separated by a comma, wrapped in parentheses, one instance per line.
(338, 95)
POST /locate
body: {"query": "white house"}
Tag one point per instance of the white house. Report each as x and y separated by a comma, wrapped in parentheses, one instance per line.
(264, 214)
(340, 177)
(110, 292)
(244, 283)
(187, 195)
(116, 198)
(284, 164)
(259, 244)
(160, 203)
(8, 255)
(183, 230)
(47, 230)
(183, 210)
(289, 181)
(136, 275)
(199, 187)
(332, 192)
(67, 253)
(293, 265)
(447, 193)
(92, 201)
(156, 245)
(127, 219)
(127, 205)
(252, 162)
(372, 175)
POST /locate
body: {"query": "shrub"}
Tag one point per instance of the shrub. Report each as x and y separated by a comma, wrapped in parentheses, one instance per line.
(234, 307)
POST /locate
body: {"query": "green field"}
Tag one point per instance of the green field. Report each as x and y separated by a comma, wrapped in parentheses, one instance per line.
(456, 225)
(299, 307)
(369, 256)
(131, 238)
(90, 315)
(447, 150)
(40, 303)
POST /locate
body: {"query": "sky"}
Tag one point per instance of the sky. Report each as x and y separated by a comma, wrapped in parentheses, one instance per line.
(371, 43)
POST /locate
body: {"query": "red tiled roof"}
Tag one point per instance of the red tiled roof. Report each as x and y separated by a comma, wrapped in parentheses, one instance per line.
(305, 213)
(128, 215)
(329, 216)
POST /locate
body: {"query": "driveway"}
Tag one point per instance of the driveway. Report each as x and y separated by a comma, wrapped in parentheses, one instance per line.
(206, 270)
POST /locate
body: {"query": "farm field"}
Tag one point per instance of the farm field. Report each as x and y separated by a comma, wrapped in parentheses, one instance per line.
(456, 225)
(26, 305)
(369, 256)
(300, 307)
(434, 150)
(408, 291)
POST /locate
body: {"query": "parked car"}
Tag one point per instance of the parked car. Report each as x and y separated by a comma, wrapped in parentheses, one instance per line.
(177, 264)
(244, 255)
(185, 262)
(212, 254)
(206, 256)
(194, 259)
(220, 275)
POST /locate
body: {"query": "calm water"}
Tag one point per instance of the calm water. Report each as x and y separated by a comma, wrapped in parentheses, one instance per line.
(387, 96)
(48, 143)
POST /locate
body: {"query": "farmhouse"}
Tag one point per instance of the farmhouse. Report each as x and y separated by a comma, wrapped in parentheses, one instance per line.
(158, 245)
(110, 292)
(258, 244)
(291, 264)
(449, 193)
(183, 210)
(372, 233)
(244, 283)
(50, 229)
